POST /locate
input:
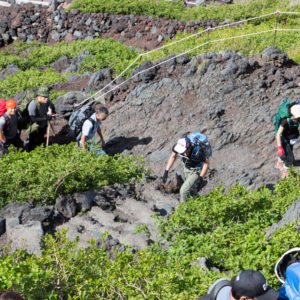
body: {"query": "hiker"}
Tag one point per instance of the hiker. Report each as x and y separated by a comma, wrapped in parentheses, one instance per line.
(41, 111)
(247, 285)
(286, 122)
(195, 151)
(287, 270)
(9, 134)
(90, 127)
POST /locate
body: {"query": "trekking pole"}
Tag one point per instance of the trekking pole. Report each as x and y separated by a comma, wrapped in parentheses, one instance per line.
(48, 134)
(52, 128)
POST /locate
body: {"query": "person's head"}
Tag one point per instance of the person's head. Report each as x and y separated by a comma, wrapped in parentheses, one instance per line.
(10, 295)
(11, 106)
(251, 285)
(182, 146)
(295, 112)
(42, 95)
(101, 113)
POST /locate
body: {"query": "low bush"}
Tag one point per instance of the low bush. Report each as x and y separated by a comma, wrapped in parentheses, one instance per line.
(228, 228)
(171, 10)
(39, 176)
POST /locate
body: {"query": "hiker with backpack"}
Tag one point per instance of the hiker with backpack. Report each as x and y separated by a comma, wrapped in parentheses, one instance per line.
(286, 123)
(247, 285)
(41, 111)
(195, 151)
(9, 133)
(92, 125)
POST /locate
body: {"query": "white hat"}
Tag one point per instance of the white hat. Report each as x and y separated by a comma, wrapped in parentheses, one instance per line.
(181, 146)
(295, 110)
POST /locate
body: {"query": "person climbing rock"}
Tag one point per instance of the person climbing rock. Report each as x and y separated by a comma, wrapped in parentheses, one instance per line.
(90, 127)
(286, 122)
(41, 111)
(247, 285)
(195, 151)
(9, 133)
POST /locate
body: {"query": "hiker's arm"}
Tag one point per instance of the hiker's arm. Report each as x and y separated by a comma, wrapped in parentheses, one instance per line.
(51, 105)
(101, 136)
(204, 168)
(171, 161)
(2, 137)
(83, 141)
(279, 135)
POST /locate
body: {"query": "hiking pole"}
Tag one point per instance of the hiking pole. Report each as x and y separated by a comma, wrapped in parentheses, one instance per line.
(48, 134)
(52, 128)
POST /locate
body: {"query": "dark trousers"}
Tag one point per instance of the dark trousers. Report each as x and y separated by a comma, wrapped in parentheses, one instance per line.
(289, 157)
(16, 142)
(36, 138)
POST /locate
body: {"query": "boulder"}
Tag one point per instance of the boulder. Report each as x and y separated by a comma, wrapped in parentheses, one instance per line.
(66, 206)
(26, 236)
(291, 215)
(65, 104)
(84, 201)
(40, 213)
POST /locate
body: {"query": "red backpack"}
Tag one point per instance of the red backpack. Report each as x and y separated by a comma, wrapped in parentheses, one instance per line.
(2, 107)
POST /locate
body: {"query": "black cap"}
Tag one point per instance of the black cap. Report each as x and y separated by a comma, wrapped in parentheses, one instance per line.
(252, 284)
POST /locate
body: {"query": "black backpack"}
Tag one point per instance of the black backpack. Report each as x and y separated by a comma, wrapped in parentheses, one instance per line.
(216, 289)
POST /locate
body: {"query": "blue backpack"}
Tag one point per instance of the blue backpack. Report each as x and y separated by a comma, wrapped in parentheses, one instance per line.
(291, 286)
(200, 145)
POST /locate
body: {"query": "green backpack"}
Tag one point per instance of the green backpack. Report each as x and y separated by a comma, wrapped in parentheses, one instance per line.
(283, 113)
(23, 115)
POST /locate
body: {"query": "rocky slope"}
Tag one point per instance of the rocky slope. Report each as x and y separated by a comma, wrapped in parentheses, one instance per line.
(230, 98)
(34, 23)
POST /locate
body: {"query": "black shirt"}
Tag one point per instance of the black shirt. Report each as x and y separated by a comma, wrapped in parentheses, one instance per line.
(190, 161)
(291, 130)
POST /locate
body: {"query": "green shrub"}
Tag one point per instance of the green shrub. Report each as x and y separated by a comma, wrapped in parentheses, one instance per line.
(242, 39)
(230, 228)
(103, 53)
(42, 174)
(167, 9)
(31, 78)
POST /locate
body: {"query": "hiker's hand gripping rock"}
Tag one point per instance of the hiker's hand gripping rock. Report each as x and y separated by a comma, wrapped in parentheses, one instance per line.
(165, 176)
(280, 151)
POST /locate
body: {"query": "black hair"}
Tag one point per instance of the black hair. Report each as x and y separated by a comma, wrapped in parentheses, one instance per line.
(233, 292)
(102, 110)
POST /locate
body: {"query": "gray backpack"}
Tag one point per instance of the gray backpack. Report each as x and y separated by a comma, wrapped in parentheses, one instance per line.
(78, 117)
(215, 289)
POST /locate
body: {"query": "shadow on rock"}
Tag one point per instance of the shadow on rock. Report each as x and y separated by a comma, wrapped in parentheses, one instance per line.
(121, 143)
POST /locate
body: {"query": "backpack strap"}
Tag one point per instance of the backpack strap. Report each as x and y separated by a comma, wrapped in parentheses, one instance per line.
(7, 123)
(92, 121)
(218, 286)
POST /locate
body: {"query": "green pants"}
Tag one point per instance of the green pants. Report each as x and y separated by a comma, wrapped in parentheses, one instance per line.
(190, 182)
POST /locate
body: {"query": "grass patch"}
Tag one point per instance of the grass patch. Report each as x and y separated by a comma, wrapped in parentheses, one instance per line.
(42, 174)
(167, 9)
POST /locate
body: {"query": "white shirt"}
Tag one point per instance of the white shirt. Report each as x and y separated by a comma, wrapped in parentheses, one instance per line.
(89, 129)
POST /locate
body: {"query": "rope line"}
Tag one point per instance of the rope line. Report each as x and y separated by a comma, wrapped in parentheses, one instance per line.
(95, 96)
